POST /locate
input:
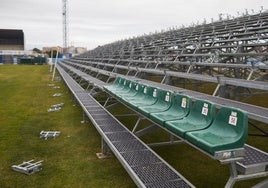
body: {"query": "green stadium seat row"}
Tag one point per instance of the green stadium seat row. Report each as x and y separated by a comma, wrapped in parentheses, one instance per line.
(198, 123)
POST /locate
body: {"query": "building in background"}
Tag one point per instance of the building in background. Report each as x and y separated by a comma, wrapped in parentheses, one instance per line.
(71, 51)
(52, 48)
(76, 50)
(11, 39)
(12, 45)
(80, 50)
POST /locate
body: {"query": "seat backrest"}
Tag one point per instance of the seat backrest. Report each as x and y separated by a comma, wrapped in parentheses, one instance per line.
(182, 103)
(132, 85)
(139, 88)
(232, 122)
(118, 81)
(136, 92)
(126, 84)
(164, 96)
(150, 92)
(202, 111)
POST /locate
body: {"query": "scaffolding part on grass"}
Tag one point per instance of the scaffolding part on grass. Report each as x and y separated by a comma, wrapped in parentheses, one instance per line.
(57, 79)
(57, 95)
(54, 109)
(29, 167)
(47, 134)
(57, 105)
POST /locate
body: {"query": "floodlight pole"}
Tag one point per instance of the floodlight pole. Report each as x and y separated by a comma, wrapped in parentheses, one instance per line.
(65, 24)
(55, 64)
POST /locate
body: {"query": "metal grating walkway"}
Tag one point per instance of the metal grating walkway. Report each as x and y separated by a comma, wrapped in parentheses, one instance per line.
(144, 166)
(255, 161)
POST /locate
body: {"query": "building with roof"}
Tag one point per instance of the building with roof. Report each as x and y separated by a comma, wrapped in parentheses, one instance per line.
(11, 39)
(12, 46)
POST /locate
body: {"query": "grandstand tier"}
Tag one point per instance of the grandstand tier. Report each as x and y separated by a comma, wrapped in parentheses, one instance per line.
(150, 74)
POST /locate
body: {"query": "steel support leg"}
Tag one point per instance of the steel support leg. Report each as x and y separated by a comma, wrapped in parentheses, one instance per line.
(112, 105)
(189, 69)
(250, 74)
(233, 175)
(137, 124)
(146, 130)
(89, 84)
(92, 90)
(84, 118)
(107, 100)
(105, 150)
(162, 81)
(216, 90)
(171, 141)
(108, 80)
(81, 79)
(137, 72)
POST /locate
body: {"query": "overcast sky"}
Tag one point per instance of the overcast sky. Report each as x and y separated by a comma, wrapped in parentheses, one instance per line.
(97, 22)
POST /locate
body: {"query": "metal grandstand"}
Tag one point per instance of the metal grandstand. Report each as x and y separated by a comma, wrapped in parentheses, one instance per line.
(231, 54)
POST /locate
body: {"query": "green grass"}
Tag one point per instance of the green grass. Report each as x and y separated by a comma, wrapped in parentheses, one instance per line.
(70, 160)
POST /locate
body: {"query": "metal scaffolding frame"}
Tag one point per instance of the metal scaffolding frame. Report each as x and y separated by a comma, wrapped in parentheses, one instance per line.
(232, 54)
(252, 166)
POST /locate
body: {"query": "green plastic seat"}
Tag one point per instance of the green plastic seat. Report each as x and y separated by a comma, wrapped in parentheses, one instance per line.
(228, 131)
(135, 94)
(180, 107)
(200, 117)
(128, 91)
(131, 92)
(118, 83)
(125, 88)
(162, 104)
(147, 98)
(138, 97)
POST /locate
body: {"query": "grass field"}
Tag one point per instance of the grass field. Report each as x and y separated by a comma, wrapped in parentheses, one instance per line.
(70, 159)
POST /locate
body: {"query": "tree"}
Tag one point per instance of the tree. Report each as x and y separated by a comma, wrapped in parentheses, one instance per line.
(37, 50)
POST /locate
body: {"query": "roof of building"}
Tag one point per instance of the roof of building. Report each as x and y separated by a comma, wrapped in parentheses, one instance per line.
(11, 37)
